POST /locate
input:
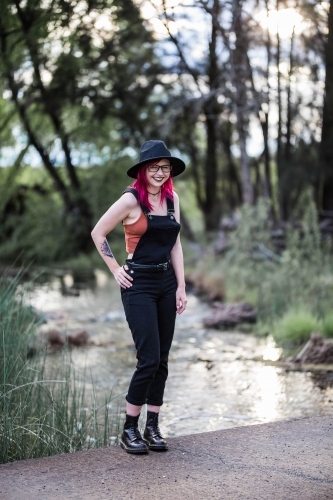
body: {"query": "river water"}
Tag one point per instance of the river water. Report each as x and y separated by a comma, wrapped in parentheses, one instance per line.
(216, 379)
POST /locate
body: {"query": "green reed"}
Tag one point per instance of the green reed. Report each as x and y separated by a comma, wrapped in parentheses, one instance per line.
(293, 291)
(43, 412)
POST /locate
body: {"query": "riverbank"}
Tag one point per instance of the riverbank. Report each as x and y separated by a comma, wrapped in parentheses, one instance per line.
(276, 461)
(230, 378)
(289, 285)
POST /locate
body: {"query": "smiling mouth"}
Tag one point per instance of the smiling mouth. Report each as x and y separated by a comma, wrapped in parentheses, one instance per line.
(158, 179)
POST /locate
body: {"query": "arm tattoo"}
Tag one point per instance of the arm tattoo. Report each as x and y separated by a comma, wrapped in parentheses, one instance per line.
(106, 250)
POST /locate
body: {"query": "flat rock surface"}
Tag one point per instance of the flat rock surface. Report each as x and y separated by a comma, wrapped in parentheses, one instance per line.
(290, 460)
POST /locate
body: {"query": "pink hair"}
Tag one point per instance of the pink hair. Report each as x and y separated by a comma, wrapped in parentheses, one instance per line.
(141, 185)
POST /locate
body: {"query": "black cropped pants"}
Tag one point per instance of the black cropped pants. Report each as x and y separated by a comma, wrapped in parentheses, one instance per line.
(150, 308)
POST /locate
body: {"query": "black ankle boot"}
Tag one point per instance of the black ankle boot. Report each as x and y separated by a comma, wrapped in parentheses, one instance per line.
(131, 439)
(152, 433)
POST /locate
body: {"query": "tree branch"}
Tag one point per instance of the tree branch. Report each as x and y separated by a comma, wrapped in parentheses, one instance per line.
(48, 106)
(21, 109)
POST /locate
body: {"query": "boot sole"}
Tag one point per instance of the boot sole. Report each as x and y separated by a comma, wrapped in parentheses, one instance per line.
(155, 447)
(158, 448)
(134, 452)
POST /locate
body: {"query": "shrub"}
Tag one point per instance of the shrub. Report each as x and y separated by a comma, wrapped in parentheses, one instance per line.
(328, 325)
(38, 227)
(300, 279)
(295, 326)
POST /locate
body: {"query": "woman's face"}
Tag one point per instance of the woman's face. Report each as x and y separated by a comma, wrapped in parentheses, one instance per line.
(156, 179)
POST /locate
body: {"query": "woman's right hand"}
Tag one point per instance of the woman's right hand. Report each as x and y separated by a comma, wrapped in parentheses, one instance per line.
(122, 278)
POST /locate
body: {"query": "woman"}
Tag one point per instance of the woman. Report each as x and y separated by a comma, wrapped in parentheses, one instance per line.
(152, 282)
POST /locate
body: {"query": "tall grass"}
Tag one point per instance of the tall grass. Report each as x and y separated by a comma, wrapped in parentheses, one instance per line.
(44, 415)
(328, 324)
(293, 291)
(295, 326)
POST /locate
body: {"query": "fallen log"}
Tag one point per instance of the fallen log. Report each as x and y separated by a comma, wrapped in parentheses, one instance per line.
(228, 315)
(316, 350)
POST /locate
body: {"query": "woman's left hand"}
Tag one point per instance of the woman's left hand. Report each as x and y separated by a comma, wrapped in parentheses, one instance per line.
(181, 300)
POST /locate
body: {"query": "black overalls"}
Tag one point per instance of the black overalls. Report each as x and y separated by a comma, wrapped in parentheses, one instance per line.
(150, 306)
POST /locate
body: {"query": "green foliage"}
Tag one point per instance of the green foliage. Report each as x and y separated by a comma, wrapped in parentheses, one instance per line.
(39, 232)
(85, 59)
(35, 227)
(68, 74)
(251, 255)
(188, 206)
(327, 329)
(83, 79)
(252, 232)
(104, 184)
(43, 412)
(296, 285)
(295, 326)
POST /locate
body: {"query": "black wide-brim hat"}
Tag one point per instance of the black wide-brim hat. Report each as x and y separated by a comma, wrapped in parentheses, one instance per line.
(156, 150)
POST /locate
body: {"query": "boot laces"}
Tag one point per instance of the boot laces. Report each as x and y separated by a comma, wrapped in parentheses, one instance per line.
(157, 431)
(155, 427)
(137, 433)
(134, 432)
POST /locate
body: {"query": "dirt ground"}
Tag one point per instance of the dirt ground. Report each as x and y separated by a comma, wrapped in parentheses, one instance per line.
(289, 460)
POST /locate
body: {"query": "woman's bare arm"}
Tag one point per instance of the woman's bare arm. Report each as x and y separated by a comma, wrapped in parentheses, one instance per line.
(178, 265)
(119, 211)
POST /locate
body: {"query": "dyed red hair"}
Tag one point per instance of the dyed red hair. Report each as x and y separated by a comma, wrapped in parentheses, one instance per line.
(141, 185)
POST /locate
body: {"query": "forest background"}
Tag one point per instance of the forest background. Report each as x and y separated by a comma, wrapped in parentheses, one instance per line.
(241, 89)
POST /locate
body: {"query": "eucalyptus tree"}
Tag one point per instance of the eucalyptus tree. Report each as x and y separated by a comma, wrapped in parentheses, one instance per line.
(300, 66)
(248, 71)
(217, 90)
(198, 107)
(327, 128)
(72, 68)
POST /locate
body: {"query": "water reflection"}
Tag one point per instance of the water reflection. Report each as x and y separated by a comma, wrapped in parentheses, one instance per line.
(271, 352)
(216, 380)
(271, 394)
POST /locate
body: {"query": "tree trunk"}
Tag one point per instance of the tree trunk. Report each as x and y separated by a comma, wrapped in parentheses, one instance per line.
(186, 227)
(46, 99)
(77, 215)
(247, 188)
(279, 132)
(21, 110)
(195, 162)
(239, 63)
(286, 202)
(287, 152)
(327, 130)
(206, 185)
(267, 183)
(234, 191)
(211, 109)
(212, 215)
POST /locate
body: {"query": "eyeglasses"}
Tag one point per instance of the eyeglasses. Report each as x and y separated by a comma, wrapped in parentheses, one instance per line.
(166, 169)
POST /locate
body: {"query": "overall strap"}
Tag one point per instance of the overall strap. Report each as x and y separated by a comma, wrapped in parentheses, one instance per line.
(170, 207)
(144, 209)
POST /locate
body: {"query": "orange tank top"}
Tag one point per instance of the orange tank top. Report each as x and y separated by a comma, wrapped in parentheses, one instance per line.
(134, 231)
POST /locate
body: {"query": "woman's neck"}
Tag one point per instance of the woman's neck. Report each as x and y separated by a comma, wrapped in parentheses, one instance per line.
(153, 191)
